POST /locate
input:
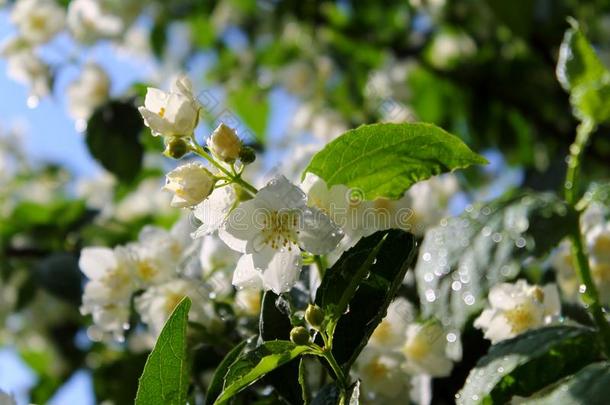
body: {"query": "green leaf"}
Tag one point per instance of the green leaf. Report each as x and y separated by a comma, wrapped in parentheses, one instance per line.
(384, 160)
(60, 275)
(215, 388)
(463, 257)
(525, 364)
(113, 139)
(591, 385)
(253, 365)
(165, 378)
(252, 106)
(580, 71)
(370, 274)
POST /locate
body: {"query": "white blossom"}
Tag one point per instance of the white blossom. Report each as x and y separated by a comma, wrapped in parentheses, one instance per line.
(389, 335)
(224, 143)
(27, 68)
(516, 308)
(191, 183)
(89, 91)
(270, 229)
(425, 350)
(171, 114)
(38, 20)
(146, 199)
(157, 303)
(383, 379)
(248, 302)
(213, 211)
(89, 20)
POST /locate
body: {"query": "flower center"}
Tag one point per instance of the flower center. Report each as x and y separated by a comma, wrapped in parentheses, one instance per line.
(172, 300)
(416, 349)
(520, 318)
(279, 229)
(38, 22)
(162, 112)
(377, 370)
(145, 270)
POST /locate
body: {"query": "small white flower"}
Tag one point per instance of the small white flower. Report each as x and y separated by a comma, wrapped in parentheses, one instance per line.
(191, 183)
(598, 243)
(270, 229)
(390, 333)
(146, 199)
(425, 350)
(562, 262)
(89, 21)
(383, 379)
(38, 20)
(216, 255)
(516, 308)
(157, 303)
(171, 114)
(89, 91)
(429, 200)
(224, 143)
(107, 293)
(248, 302)
(27, 68)
(214, 210)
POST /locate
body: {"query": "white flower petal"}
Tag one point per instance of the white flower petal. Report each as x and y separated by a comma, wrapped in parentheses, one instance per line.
(318, 234)
(282, 271)
(94, 262)
(246, 275)
(240, 229)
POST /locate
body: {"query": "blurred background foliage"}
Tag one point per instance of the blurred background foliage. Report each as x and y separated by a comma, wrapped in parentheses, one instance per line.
(483, 70)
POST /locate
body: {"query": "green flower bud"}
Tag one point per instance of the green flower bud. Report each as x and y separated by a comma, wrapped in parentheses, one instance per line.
(247, 155)
(314, 315)
(299, 335)
(176, 148)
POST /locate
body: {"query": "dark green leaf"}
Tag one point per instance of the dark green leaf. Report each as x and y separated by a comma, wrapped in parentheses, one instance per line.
(253, 365)
(463, 257)
(60, 275)
(165, 378)
(591, 385)
(218, 379)
(525, 364)
(384, 160)
(356, 291)
(112, 138)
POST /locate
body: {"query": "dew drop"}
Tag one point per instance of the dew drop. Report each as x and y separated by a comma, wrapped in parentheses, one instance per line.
(427, 257)
(469, 299)
(582, 288)
(451, 337)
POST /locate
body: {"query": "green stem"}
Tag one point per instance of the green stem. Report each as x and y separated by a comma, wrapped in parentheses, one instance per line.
(235, 178)
(590, 294)
(320, 266)
(340, 376)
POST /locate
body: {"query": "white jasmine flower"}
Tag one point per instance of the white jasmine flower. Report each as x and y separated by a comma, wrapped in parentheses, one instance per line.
(191, 183)
(213, 210)
(89, 91)
(270, 229)
(171, 114)
(562, 262)
(216, 255)
(425, 350)
(390, 333)
(27, 68)
(107, 293)
(157, 303)
(429, 201)
(248, 302)
(598, 243)
(516, 308)
(147, 199)
(88, 21)
(224, 143)
(38, 20)
(383, 379)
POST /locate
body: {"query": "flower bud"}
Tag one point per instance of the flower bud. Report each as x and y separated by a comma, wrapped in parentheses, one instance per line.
(191, 183)
(299, 335)
(314, 315)
(247, 155)
(224, 143)
(176, 148)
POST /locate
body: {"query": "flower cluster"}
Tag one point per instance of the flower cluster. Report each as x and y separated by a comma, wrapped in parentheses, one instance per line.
(399, 350)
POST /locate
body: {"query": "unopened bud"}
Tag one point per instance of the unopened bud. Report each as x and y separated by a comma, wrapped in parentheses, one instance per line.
(224, 143)
(176, 148)
(299, 335)
(247, 155)
(314, 315)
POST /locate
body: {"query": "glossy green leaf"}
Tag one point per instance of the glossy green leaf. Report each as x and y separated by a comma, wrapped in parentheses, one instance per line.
(384, 160)
(460, 259)
(113, 139)
(215, 387)
(253, 365)
(370, 274)
(529, 362)
(591, 385)
(165, 379)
